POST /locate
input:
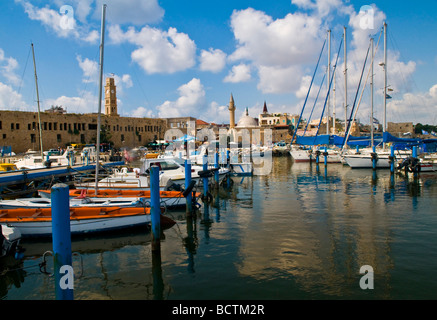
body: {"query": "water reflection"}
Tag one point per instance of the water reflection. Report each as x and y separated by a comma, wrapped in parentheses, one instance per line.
(302, 232)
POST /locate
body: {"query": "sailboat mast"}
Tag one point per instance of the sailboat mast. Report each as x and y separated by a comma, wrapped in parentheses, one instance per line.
(345, 82)
(102, 41)
(329, 77)
(385, 78)
(37, 101)
(371, 96)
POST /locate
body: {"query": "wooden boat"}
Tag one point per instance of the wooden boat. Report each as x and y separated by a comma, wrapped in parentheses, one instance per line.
(74, 202)
(169, 199)
(83, 220)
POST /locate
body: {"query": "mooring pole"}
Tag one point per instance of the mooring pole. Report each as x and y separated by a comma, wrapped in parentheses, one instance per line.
(326, 156)
(61, 239)
(205, 180)
(415, 161)
(392, 159)
(189, 197)
(155, 210)
(216, 173)
(374, 158)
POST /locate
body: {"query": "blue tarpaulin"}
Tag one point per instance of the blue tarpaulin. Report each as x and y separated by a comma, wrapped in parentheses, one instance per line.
(314, 141)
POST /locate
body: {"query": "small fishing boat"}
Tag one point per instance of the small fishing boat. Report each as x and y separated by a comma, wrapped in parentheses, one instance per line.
(169, 199)
(83, 220)
(281, 148)
(5, 167)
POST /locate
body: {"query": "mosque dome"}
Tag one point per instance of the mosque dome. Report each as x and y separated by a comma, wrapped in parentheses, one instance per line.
(247, 121)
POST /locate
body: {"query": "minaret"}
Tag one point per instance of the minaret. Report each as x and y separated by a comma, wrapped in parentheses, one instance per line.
(265, 111)
(110, 98)
(232, 112)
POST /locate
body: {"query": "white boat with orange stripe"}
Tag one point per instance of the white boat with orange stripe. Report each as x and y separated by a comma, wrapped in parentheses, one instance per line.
(83, 220)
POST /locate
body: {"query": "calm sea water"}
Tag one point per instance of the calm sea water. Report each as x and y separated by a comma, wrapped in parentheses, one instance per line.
(302, 232)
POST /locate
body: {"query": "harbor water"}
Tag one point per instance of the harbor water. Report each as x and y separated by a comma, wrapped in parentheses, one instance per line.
(301, 232)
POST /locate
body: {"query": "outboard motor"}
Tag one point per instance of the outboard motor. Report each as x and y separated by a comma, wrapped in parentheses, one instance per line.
(10, 241)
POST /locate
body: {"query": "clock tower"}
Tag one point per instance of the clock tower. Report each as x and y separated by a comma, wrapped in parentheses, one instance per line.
(110, 98)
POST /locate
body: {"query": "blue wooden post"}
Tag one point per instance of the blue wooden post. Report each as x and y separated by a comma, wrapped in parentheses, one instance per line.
(326, 156)
(155, 209)
(189, 197)
(374, 158)
(216, 173)
(392, 157)
(205, 180)
(415, 152)
(415, 159)
(61, 239)
(357, 149)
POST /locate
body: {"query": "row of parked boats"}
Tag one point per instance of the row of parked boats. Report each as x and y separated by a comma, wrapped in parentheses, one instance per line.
(122, 200)
(366, 157)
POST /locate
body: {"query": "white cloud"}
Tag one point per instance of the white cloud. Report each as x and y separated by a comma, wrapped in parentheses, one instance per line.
(216, 113)
(8, 65)
(191, 101)
(323, 7)
(279, 79)
(213, 60)
(137, 12)
(11, 100)
(277, 48)
(142, 112)
(239, 73)
(85, 103)
(159, 51)
(281, 42)
(62, 25)
(89, 69)
(414, 107)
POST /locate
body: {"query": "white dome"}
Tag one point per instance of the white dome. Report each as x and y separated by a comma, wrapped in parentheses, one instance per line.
(247, 121)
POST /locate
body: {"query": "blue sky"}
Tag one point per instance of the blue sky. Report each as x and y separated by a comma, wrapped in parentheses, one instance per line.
(185, 58)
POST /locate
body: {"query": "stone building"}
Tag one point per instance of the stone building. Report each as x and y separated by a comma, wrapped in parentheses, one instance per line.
(20, 130)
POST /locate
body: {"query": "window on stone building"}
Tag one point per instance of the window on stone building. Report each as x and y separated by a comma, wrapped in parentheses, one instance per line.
(12, 126)
(58, 138)
(32, 138)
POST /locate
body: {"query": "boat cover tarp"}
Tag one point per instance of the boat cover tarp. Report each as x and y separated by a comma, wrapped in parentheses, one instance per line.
(314, 140)
(357, 141)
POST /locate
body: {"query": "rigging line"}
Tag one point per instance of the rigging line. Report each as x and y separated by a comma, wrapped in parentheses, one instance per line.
(356, 96)
(315, 101)
(359, 102)
(309, 89)
(329, 89)
(136, 77)
(24, 71)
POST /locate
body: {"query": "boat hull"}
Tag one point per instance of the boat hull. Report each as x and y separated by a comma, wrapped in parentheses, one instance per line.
(366, 161)
(82, 220)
